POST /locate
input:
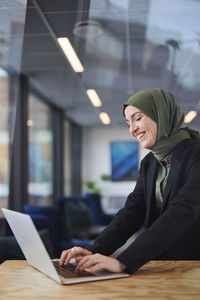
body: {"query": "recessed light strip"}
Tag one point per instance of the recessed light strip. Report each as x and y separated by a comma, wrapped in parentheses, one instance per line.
(70, 54)
(104, 117)
(30, 123)
(190, 116)
(94, 98)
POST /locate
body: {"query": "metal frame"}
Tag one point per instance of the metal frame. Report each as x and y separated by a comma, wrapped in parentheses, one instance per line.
(18, 195)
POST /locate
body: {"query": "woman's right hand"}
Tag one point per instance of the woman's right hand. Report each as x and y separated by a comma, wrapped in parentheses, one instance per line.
(75, 252)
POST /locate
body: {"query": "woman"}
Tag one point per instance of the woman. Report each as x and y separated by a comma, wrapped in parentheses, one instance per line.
(166, 198)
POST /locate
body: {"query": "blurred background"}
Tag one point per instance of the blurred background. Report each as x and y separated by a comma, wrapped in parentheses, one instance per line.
(66, 68)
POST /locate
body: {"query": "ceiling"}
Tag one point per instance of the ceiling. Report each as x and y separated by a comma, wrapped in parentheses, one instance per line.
(139, 44)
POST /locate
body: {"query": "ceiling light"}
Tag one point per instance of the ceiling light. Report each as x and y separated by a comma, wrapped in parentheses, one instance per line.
(30, 123)
(104, 118)
(190, 116)
(94, 98)
(87, 28)
(70, 54)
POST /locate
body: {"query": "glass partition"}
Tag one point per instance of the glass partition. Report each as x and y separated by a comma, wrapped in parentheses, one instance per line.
(40, 144)
(12, 20)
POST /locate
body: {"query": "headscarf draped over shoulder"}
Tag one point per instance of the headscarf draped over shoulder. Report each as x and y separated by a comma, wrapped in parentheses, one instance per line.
(162, 108)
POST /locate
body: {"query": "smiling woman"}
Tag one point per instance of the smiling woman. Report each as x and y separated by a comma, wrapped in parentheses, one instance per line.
(165, 202)
(142, 127)
(161, 107)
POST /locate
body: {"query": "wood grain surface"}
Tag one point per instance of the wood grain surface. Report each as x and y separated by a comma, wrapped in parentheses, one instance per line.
(155, 280)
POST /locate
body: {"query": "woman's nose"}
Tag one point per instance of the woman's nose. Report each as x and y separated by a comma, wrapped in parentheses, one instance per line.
(133, 129)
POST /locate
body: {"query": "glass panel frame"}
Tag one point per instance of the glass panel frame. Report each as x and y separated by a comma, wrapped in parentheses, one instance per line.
(40, 151)
(67, 158)
(12, 19)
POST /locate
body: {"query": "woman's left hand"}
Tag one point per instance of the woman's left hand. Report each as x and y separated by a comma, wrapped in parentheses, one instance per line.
(97, 262)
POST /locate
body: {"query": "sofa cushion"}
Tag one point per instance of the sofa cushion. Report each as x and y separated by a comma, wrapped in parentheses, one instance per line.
(10, 249)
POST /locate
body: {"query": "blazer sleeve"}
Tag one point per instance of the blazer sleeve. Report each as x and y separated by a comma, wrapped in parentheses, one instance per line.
(126, 222)
(182, 212)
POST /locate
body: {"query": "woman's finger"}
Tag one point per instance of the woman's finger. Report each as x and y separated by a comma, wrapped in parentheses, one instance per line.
(96, 268)
(98, 262)
(83, 261)
(65, 256)
(88, 261)
(74, 252)
(78, 258)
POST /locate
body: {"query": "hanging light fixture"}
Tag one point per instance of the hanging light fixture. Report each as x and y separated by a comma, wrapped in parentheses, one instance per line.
(94, 98)
(70, 54)
(190, 116)
(104, 117)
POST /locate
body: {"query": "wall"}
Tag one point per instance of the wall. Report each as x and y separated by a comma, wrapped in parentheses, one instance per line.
(67, 157)
(96, 161)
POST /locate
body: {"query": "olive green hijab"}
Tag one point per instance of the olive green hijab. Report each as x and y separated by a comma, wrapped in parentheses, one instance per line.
(162, 108)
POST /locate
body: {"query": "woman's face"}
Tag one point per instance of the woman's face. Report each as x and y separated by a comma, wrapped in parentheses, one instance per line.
(142, 127)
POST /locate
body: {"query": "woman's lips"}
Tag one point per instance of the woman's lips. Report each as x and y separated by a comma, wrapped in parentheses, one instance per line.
(140, 135)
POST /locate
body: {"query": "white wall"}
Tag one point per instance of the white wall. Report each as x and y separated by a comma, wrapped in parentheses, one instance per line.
(96, 161)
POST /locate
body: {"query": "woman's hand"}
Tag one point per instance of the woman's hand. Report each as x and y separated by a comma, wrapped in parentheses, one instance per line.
(75, 252)
(97, 262)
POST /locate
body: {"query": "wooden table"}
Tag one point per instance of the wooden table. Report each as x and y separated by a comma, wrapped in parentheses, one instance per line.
(156, 280)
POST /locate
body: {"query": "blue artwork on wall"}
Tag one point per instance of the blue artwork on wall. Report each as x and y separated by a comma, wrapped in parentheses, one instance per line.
(124, 160)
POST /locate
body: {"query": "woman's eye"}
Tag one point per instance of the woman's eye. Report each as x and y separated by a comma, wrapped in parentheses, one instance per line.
(138, 119)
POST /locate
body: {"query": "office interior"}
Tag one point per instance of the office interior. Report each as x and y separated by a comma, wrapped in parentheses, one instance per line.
(57, 120)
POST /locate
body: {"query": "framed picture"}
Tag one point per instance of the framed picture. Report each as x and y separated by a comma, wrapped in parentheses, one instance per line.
(124, 160)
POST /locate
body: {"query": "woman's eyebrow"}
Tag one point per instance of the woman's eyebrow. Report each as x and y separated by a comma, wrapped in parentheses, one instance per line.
(133, 115)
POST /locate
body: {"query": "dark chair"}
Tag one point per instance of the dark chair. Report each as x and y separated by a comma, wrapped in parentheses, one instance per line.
(52, 214)
(61, 238)
(99, 216)
(84, 215)
(9, 247)
(76, 213)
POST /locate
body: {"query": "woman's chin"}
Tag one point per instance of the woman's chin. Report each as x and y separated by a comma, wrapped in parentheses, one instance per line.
(146, 145)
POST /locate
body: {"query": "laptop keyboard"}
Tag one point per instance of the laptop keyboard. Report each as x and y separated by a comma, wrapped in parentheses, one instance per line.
(69, 271)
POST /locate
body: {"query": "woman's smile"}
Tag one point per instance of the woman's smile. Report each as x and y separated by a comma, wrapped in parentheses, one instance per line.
(140, 135)
(142, 127)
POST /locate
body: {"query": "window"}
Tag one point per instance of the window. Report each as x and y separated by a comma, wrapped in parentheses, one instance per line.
(40, 146)
(12, 19)
(5, 138)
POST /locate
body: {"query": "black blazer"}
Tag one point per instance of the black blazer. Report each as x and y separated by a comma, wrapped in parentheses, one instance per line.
(172, 232)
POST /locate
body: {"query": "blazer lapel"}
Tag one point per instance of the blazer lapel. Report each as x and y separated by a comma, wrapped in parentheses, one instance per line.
(170, 180)
(151, 178)
(175, 164)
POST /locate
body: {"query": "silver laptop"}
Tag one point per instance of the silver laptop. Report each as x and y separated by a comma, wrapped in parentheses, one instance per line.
(37, 256)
